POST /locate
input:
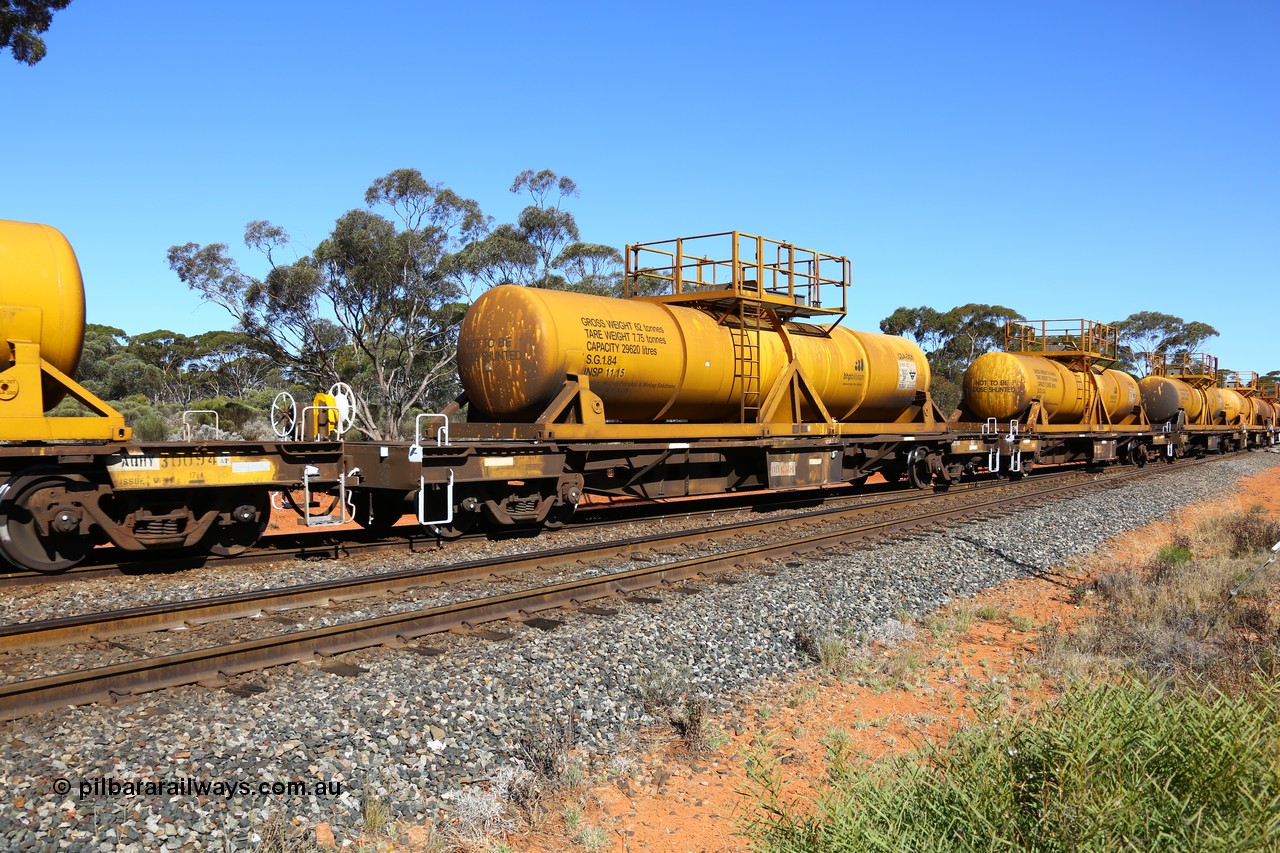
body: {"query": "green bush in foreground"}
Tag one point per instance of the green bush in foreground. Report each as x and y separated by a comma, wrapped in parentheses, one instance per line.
(1129, 766)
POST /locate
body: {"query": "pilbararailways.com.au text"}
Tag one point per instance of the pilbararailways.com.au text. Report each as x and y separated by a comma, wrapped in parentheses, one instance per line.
(109, 787)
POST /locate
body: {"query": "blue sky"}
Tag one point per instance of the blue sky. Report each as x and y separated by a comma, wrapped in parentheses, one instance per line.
(1065, 159)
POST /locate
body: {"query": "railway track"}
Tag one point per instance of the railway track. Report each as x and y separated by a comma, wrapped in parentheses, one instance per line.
(217, 663)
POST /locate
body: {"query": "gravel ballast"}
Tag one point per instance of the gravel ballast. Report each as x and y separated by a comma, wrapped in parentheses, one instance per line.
(206, 768)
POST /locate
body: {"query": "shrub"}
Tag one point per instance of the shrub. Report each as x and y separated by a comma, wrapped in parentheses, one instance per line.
(659, 688)
(692, 725)
(807, 640)
(1250, 531)
(824, 647)
(150, 426)
(1111, 766)
(544, 747)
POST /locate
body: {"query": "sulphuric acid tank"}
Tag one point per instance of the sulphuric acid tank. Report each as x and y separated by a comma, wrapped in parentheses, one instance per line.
(1002, 385)
(652, 361)
(41, 298)
(1163, 396)
(1261, 412)
(1215, 406)
(1234, 406)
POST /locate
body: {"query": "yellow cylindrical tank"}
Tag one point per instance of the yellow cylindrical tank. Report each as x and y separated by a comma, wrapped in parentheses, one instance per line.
(1215, 406)
(1234, 404)
(41, 298)
(651, 361)
(1002, 385)
(1261, 412)
(1163, 396)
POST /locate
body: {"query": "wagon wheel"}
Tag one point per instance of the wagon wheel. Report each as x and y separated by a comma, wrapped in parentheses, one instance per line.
(250, 511)
(566, 504)
(1140, 456)
(919, 473)
(39, 528)
(378, 510)
(462, 523)
(559, 516)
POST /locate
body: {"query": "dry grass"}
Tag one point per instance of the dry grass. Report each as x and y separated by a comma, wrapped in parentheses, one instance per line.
(1176, 617)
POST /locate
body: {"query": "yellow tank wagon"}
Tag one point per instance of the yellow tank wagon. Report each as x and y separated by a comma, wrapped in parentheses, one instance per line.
(71, 483)
(41, 336)
(1004, 385)
(1207, 409)
(724, 368)
(1053, 393)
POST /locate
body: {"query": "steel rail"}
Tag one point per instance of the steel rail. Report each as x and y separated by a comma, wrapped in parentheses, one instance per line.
(170, 615)
(221, 662)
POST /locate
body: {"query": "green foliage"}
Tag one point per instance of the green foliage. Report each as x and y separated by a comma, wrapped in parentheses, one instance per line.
(1166, 739)
(1177, 618)
(1172, 555)
(148, 423)
(951, 340)
(149, 426)
(233, 414)
(543, 248)
(170, 368)
(1146, 332)
(22, 22)
(110, 368)
(1127, 766)
(376, 304)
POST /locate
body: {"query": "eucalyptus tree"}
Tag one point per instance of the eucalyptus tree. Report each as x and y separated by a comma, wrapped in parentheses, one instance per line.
(22, 22)
(543, 247)
(951, 340)
(112, 369)
(1145, 333)
(228, 365)
(376, 304)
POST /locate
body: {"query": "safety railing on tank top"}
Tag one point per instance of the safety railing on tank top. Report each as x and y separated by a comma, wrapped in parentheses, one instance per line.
(1077, 338)
(739, 265)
